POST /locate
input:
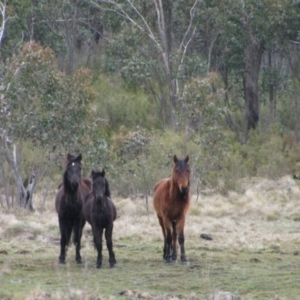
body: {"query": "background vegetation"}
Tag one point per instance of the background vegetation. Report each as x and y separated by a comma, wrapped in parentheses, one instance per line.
(253, 254)
(129, 84)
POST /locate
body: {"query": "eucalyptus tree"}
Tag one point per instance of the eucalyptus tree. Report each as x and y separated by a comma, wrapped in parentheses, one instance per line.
(244, 31)
(42, 106)
(148, 44)
(4, 19)
(64, 26)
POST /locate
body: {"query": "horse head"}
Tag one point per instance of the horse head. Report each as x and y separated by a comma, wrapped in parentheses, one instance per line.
(73, 171)
(181, 174)
(99, 185)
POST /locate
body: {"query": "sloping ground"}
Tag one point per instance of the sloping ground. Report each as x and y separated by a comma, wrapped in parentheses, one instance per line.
(254, 252)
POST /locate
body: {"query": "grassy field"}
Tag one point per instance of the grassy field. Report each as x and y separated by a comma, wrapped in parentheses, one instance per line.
(254, 254)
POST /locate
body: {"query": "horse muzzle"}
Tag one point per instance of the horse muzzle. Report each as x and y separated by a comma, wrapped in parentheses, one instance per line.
(74, 185)
(184, 190)
(98, 199)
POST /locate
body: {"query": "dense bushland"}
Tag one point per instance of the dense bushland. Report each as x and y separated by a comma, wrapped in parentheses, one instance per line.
(129, 93)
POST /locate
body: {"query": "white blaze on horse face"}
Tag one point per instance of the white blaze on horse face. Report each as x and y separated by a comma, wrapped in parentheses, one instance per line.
(73, 164)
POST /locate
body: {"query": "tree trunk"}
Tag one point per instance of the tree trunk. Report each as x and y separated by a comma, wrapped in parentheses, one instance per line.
(272, 95)
(252, 54)
(4, 19)
(24, 196)
(4, 181)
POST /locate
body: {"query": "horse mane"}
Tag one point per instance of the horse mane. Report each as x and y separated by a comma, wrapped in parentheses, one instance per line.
(107, 189)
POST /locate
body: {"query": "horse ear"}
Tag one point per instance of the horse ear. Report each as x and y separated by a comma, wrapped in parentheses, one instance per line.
(69, 156)
(175, 159)
(187, 159)
(92, 173)
(79, 157)
(103, 172)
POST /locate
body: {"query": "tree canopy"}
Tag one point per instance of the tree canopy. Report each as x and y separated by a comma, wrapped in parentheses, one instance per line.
(91, 76)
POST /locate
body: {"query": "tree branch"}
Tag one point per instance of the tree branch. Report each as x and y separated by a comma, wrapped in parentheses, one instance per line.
(3, 14)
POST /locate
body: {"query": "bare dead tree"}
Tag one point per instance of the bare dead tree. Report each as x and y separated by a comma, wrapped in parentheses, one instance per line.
(24, 195)
(4, 19)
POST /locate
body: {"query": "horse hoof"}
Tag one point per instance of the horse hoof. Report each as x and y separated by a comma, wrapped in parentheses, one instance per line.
(112, 266)
(97, 266)
(79, 262)
(61, 261)
(185, 262)
(174, 261)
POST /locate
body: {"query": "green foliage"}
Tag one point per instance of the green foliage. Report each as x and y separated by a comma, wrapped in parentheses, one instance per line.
(288, 109)
(201, 102)
(130, 150)
(142, 158)
(218, 161)
(16, 27)
(110, 122)
(193, 66)
(44, 106)
(122, 108)
(48, 32)
(264, 155)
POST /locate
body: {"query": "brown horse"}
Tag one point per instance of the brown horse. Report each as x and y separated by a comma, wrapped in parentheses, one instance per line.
(69, 203)
(100, 212)
(171, 202)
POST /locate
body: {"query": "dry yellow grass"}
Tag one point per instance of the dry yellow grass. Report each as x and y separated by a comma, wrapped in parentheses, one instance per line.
(263, 219)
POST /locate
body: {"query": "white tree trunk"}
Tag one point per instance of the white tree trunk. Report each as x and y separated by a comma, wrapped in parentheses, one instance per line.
(3, 14)
(161, 42)
(30, 190)
(24, 196)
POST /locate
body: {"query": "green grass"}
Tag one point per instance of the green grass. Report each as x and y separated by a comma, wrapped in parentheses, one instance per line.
(263, 274)
(253, 255)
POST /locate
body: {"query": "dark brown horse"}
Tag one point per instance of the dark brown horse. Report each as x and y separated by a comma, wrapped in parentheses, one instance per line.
(171, 202)
(69, 203)
(100, 212)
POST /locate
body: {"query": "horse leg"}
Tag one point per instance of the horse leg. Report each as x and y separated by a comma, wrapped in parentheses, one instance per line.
(77, 238)
(168, 231)
(109, 245)
(98, 232)
(164, 235)
(180, 229)
(174, 242)
(65, 234)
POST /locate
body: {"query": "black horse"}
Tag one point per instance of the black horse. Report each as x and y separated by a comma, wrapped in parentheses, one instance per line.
(100, 212)
(69, 203)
